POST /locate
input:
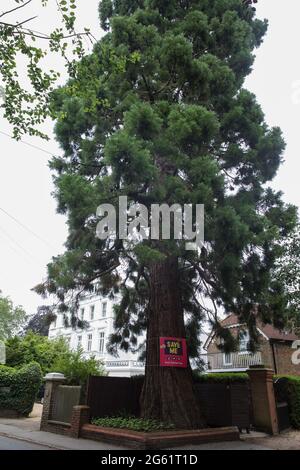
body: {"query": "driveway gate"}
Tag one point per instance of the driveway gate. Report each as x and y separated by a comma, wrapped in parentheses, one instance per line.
(66, 397)
(280, 386)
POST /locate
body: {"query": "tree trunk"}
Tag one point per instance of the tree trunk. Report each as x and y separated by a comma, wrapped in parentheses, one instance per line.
(167, 393)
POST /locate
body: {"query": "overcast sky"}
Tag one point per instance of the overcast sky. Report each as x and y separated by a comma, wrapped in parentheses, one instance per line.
(25, 180)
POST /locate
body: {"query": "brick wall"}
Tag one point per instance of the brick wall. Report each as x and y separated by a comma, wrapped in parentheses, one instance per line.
(283, 355)
(213, 348)
(80, 414)
(266, 353)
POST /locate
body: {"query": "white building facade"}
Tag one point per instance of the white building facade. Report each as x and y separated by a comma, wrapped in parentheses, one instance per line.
(99, 314)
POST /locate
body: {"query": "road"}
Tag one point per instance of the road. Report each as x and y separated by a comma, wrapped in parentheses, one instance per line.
(7, 443)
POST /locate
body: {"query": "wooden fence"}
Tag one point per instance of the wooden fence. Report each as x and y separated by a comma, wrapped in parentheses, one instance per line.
(112, 396)
(222, 404)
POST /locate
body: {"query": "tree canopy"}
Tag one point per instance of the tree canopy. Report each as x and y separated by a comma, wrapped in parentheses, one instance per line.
(40, 322)
(168, 80)
(12, 318)
(287, 274)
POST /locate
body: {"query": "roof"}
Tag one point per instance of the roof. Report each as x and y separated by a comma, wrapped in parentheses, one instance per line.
(268, 331)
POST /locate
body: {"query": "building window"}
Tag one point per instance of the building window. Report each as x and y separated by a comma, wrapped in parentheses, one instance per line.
(79, 341)
(92, 312)
(54, 322)
(104, 309)
(89, 342)
(244, 341)
(101, 342)
(82, 314)
(227, 359)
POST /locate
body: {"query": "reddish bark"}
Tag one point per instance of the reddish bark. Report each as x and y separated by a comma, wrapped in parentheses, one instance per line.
(168, 393)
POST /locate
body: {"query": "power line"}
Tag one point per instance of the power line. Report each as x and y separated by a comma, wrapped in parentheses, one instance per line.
(89, 165)
(11, 247)
(11, 239)
(26, 228)
(11, 216)
(29, 145)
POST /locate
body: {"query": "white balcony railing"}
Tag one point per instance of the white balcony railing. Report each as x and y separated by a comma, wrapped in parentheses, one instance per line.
(124, 364)
(232, 361)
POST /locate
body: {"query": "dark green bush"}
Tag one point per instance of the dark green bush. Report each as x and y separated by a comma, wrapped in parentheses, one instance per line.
(135, 424)
(19, 387)
(292, 395)
(228, 377)
(222, 377)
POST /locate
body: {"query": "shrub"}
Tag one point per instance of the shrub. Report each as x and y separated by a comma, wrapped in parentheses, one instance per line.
(134, 424)
(222, 377)
(34, 348)
(76, 368)
(19, 387)
(292, 393)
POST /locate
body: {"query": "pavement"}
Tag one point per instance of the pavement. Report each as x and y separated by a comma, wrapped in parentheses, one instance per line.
(18, 437)
(287, 440)
(14, 444)
(24, 434)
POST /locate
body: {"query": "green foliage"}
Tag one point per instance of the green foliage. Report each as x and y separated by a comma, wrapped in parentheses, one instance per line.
(76, 368)
(158, 112)
(35, 348)
(134, 424)
(53, 355)
(292, 392)
(26, 107)
(41, 321)
(11, 318)
(222, 377)
(287, 275)
(19, 387)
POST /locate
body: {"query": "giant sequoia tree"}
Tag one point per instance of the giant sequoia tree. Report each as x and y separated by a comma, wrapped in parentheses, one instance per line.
(159, 114)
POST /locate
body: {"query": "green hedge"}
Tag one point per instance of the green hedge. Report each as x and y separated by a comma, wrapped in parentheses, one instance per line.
(292, 392)
(132, 423)
(19, 387)
(222, 377)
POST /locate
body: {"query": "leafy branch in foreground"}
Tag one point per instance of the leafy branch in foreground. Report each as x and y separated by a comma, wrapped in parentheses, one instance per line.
(27, 106)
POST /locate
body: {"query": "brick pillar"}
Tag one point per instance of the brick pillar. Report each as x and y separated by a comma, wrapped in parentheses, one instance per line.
(80, 416)
(52, 382)
(263, 400)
